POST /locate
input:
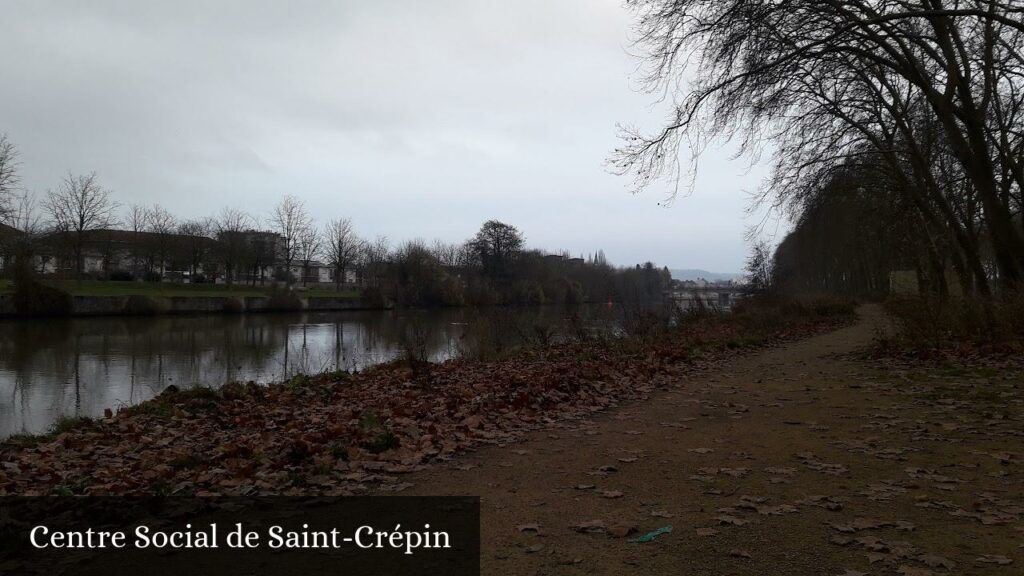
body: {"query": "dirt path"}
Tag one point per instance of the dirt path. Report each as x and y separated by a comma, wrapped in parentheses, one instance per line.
(793, 461)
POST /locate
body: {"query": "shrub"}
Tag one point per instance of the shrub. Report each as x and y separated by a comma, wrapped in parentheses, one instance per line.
(376, 436)
(68, 423)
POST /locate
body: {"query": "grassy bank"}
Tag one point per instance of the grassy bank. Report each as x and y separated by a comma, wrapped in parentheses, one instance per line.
(337, 433)
(170, 289)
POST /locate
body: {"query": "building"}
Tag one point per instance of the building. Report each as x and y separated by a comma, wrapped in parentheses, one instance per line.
(126, 255)
(250, 257)
(315, 272)
(9, 235)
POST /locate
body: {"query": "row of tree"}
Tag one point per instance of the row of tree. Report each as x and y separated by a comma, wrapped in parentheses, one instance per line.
(494, 266)
(895, 125)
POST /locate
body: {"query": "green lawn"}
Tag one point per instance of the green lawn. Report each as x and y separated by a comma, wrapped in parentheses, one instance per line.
(167, 289)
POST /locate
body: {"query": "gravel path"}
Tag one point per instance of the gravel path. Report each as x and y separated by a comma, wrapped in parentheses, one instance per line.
(803, 459)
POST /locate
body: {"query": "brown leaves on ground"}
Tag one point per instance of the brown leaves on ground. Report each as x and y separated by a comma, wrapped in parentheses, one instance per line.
(619, 529)
(343, 434)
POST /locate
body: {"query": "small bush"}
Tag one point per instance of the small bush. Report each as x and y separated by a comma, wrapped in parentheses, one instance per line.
(377, 438)
(68, 423)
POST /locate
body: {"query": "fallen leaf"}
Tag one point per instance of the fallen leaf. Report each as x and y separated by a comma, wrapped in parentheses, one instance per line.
(735, 553)
(621, 530)
(936, 562)
(993, 559)
(725, 519)
(591, 527)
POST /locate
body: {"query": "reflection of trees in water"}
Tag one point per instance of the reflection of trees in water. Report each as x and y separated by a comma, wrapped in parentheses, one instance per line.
(81, 366)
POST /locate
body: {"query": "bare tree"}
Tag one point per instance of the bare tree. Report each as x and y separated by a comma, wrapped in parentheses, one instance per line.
(25, 214)
(309, 244)
(290, 220)
(445, 252)
(20, 246)
(230, 227)
(161, 224)
(342, 247)
(932, 88)
(196, 243)
(9, 179)
(137, 218)
(374, 258)
(77, 208)
(137, 221)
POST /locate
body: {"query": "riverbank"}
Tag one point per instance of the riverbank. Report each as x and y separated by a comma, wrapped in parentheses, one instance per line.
(343, 433)
(149, 305)
(175, 289)
(94, 298)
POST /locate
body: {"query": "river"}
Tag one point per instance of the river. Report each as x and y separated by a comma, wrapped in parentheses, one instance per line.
(51, 368)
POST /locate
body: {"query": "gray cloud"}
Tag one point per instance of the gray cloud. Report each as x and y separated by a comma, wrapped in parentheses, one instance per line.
(415, 119)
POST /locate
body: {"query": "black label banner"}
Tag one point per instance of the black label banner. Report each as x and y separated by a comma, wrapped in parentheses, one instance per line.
(153, 536)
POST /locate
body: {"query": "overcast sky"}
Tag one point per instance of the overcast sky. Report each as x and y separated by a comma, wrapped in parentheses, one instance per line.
(413, 118)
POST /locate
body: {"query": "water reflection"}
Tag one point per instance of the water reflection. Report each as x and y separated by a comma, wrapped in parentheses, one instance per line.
(78, 367)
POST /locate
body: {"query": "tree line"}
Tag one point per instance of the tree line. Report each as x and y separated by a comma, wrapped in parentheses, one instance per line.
(894, 127)
(493, 267)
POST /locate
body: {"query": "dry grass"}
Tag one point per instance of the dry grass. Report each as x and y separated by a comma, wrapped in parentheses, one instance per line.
(927, 326)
